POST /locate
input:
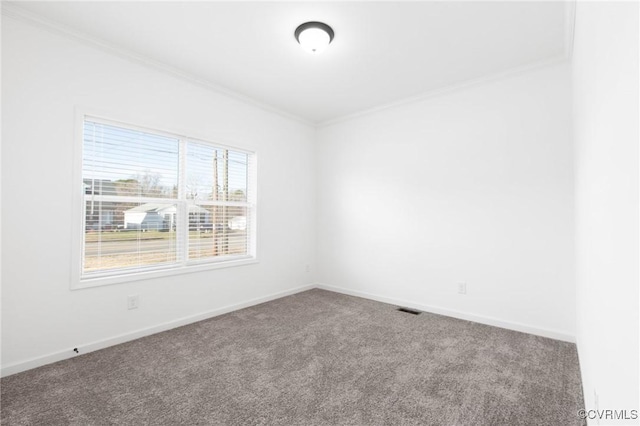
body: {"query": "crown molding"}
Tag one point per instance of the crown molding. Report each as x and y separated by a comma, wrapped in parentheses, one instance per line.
(11, 10)
(452, 88)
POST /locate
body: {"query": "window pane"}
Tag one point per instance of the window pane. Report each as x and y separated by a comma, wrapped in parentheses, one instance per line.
(128, 235)
(218, 231)
(118, 161)
(144, 212)
(216, 174)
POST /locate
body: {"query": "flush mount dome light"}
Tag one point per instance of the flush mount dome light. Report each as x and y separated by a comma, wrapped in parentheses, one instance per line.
(314, 36)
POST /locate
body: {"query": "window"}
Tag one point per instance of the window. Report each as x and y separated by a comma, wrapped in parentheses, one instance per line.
(159, 202)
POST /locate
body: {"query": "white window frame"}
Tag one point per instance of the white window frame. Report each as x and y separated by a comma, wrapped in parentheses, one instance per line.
(183, 265)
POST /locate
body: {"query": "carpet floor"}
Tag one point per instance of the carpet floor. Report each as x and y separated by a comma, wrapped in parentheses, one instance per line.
(314, 358)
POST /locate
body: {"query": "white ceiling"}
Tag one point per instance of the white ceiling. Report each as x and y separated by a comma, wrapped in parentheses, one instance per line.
(383, 52)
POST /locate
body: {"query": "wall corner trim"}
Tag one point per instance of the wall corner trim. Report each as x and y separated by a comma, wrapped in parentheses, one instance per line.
(570, 28)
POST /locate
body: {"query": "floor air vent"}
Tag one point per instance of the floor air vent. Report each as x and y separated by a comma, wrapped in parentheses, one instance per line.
(409, 311)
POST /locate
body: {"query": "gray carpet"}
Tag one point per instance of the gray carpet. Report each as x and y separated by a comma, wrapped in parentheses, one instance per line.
(315, 358)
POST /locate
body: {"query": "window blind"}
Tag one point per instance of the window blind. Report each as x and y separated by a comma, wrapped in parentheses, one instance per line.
(156, 201)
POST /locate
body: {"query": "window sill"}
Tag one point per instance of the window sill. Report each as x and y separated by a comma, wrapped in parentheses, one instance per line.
(159, 273)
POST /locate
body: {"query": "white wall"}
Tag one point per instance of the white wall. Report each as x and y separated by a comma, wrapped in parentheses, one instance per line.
(473, 186)
(605, 92)
(44, 77)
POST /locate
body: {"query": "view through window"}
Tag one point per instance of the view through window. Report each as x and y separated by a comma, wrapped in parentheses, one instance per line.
(157, 201)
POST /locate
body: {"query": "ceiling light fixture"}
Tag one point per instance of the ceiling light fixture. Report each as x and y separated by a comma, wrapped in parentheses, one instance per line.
(314, 36)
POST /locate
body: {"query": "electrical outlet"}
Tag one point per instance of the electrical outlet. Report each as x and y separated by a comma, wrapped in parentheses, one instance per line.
(133, 301)
(462, 288)
(307, 268)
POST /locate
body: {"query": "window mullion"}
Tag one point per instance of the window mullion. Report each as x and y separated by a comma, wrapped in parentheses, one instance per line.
(182, 227)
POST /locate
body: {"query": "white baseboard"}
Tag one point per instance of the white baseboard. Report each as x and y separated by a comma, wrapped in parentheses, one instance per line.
(553, 334)
(126, 337)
